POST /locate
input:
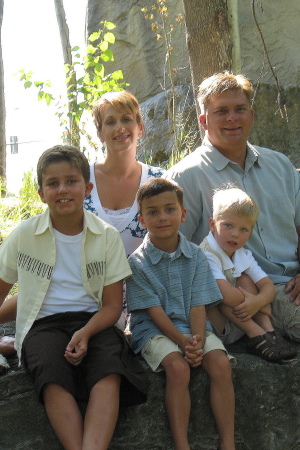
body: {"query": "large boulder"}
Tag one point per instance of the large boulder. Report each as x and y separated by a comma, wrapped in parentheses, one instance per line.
(267, 411)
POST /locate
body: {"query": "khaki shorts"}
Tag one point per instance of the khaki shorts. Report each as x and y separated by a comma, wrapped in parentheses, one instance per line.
(285, 314)
(159, 346)
(231, 333)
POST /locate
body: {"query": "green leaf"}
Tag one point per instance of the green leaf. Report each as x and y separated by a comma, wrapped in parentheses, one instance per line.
(94, 36)
(103, 46)
(90, 49)
(27, 84)
(107, 55)
(109, 37)
(117, 75)
(99, 70)
(109, 25)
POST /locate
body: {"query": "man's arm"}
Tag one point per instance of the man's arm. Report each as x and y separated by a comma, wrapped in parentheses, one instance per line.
(293, 285)
(107, 316)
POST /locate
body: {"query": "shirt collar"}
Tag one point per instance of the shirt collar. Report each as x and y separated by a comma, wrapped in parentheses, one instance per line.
(220, 161)
(91, 222)
(239, 259)
(155, 254)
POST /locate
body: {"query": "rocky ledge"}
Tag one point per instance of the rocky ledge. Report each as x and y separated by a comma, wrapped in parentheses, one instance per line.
(267, 410)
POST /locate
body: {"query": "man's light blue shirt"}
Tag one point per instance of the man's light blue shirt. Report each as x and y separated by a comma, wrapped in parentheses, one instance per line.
(270, 178)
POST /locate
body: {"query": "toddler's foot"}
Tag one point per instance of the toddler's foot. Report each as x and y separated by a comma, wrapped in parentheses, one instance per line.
(271, 347)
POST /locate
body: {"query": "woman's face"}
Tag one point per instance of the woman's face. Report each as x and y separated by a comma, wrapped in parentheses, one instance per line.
(120, 130)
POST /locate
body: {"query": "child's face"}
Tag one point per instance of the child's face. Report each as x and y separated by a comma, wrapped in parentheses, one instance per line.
(64, 189)
(231, 231)
(162, 215)
(119, 130)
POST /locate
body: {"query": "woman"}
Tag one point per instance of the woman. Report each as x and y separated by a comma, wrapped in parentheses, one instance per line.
(116, 179)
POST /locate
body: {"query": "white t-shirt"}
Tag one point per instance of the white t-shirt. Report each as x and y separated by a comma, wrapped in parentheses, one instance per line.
(66, 291)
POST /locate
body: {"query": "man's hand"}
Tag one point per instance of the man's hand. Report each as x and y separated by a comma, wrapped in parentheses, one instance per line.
(293, 287)
(77, 348)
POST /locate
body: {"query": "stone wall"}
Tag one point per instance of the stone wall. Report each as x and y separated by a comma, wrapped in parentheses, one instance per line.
(267, 411)
(142, 59)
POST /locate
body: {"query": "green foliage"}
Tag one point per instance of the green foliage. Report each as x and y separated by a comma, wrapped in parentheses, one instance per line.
(14, 210)
(86, 81)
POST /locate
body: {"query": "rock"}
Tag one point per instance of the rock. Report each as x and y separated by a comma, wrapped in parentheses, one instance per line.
(159, 143)
(267, 411)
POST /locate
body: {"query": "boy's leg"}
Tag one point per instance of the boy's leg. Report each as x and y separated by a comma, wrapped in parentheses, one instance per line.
(102, 413)
(263, 320)
(216, 317)
(246, 283)
(64, 416)
(177, 398)
(218, 368)
(249, 327)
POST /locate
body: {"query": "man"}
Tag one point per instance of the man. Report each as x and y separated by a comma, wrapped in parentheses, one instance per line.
(268, 176)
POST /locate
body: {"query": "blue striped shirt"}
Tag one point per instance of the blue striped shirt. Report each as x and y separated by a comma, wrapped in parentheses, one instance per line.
(176, 283)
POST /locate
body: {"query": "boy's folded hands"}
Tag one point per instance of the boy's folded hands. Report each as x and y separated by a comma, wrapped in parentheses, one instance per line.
(194, 351)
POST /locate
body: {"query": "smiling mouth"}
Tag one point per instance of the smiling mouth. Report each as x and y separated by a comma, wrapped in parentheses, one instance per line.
(122, 138)
(232, 129)
(64, 200)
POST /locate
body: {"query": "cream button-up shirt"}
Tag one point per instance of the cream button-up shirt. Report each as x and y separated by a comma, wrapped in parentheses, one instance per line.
(28, 257)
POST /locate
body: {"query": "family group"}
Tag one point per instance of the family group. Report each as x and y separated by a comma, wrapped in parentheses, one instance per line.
(130, 262)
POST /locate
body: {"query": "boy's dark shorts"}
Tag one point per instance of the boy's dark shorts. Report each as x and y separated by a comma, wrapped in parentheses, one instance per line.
(108, 352)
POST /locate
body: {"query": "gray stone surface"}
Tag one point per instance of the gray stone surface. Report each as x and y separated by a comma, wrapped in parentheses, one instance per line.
(267, 411)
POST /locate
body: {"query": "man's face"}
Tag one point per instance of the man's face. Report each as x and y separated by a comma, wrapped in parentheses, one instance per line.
(228, 121)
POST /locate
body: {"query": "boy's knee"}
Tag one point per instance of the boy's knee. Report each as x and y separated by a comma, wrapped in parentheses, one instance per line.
(177, 368)
(217, 364)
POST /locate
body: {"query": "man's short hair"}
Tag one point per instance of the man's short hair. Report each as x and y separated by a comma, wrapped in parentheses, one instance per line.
(236, 201)
(60, 153)
(121, 101)
(157, 186)
(222, 82)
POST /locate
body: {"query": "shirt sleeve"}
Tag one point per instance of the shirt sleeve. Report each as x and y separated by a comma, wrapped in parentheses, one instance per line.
(254, 271)
(117, 267)
(8, 258)
(215, 265)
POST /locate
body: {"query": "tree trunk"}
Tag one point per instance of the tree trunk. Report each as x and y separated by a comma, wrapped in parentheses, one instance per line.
(2, 106)
(208, 36)
(74, 136)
